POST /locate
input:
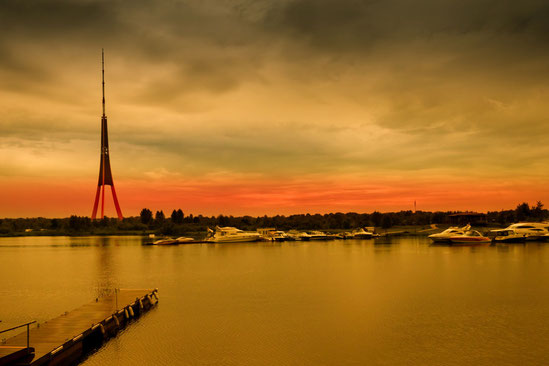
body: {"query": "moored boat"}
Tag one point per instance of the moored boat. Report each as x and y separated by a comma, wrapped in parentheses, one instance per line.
(362, 234)
(297, 235)
(280, 236)
(231, 235)
(184, 240)
(317, 235)
(508, 236)
(470, 237)
(531, 231)
(444, 237)
(165, 241)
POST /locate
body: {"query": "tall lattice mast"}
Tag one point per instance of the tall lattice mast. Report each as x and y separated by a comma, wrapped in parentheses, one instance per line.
(105, 174)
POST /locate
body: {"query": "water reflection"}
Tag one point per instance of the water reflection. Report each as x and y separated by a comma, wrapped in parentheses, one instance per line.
(387, 301)
(105, 270)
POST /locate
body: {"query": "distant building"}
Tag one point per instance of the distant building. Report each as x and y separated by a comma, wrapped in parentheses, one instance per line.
(464, 218)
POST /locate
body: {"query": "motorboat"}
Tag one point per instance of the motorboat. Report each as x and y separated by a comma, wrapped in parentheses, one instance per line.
(184, 240)
(531, 230)
(508, 236)
(297, 235)
(470, 237)
(231, 235)
(280, 236)
(362, 234)
(444, 237)
(317, 235)
(166, 241)
(266, 234)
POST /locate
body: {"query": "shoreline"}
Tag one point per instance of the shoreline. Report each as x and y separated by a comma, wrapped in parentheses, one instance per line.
(404, 230)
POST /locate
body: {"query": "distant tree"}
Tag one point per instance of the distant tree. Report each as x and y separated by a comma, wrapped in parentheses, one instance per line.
(376, 218)
(73, 222)
(537, 212)
(177, 216)
(159, 216)
(168, 228)
(438, 217)
(78, 223)
(386, 221)
(146, 216)
(54, 224)
(222, 220)
(522, 211)
(346, 224)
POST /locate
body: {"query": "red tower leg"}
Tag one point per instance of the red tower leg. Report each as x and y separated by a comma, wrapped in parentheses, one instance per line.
(94, 212)
(103, 202)
(118, 210)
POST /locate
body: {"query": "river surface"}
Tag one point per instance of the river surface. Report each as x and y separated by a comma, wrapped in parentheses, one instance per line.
(398, 301)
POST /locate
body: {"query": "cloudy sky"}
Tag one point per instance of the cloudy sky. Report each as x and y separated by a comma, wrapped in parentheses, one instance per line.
(275, 106)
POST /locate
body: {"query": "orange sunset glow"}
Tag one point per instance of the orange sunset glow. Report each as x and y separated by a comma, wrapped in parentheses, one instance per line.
(274, 107)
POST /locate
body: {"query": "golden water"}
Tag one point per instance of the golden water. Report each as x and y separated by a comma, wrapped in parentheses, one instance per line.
(384, 302)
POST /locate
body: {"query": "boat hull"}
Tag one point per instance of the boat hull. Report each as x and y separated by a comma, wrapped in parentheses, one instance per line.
(166, 242)
(363, 236)
(440, 240)
(518, 239)
(184, 240)
(470, 241)
(233, 240)
(536, 238)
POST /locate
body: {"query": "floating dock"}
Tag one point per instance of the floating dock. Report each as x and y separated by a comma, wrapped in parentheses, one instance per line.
(67, 338)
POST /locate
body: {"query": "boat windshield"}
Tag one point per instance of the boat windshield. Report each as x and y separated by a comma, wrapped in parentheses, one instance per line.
(472, 233)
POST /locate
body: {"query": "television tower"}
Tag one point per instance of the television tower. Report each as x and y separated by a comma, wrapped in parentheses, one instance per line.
(105, 174)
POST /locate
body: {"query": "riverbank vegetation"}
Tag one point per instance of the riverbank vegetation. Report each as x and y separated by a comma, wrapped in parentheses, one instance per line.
(179, 224)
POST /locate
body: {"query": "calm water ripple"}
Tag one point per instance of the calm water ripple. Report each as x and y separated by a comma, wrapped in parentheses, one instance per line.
(396, 301)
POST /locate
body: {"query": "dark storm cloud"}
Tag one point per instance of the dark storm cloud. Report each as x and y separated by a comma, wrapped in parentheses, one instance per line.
(160, 30)
(43, 19)
(181, 32)
(425, 70)
(206, 45)
(354, 25)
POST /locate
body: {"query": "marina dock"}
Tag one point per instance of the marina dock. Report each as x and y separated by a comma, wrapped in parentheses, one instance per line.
(67, 338)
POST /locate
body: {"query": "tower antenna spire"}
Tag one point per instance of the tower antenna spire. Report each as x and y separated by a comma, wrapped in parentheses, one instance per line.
(103, 77)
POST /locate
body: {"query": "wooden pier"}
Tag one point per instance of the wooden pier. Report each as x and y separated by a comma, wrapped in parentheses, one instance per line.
(67, 338)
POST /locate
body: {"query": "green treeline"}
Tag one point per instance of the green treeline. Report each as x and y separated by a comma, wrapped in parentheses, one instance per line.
(179, 224)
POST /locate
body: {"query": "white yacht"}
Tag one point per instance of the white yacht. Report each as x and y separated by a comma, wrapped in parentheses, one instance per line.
(362, 234)
(444, 237)
(531, 230)
(508, 236)
(298, 235)
(317, 235)
(280, 236)
(231, 235)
